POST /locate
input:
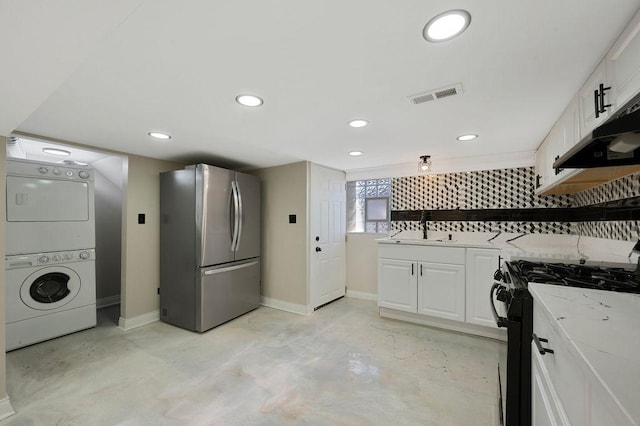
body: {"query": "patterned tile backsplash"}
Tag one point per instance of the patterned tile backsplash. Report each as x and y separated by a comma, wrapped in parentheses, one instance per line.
(508, 189)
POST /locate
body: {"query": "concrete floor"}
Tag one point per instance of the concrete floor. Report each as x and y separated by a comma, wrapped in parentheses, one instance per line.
(343, 365)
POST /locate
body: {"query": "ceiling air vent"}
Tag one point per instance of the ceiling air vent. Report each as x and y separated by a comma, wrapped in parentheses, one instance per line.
(433, 95)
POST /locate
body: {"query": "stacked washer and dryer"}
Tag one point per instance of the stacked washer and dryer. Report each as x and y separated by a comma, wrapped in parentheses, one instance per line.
(50, 251)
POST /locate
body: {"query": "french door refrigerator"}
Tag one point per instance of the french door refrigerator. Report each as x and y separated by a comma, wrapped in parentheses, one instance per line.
(209, 246)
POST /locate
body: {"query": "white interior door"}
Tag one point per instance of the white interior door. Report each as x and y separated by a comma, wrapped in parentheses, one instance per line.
(327, 218)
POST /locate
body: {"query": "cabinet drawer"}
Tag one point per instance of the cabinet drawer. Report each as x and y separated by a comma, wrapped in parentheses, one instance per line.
(568, 379)
(434, 254)
(546, 409)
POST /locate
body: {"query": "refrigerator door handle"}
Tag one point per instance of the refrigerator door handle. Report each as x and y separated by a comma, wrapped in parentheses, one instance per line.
(236, 221)
(240, 216)
(229, 268)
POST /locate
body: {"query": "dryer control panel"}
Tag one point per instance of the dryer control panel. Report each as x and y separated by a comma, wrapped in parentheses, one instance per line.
(20, 167)
(50, 258)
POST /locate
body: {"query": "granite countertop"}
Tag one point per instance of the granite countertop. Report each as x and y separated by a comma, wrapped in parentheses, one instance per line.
(603, 334)
(558, 248)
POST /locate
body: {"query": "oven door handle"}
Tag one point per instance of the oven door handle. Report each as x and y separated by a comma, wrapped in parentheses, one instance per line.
(500, 321)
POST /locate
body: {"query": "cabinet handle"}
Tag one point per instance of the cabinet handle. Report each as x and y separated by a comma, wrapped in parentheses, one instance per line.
(538, 177)
(596, 102)
(542, 350)
(558, 170)
(603, 89)
(420, 269)
(412, 265)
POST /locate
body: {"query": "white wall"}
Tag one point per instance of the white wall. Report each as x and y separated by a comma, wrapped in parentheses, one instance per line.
(362, 265)
(108, 199)
(141, 242)
(284, 254)
(5, 406)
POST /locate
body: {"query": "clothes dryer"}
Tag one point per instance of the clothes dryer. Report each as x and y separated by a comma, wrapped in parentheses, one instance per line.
(48, 295)
(50, 207)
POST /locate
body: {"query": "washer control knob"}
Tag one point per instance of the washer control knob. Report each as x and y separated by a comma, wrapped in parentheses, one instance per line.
(84, 255)
(57, 258)
(68, 256)
(43, 170)
(56, 171)
(83, 174)
(43, 259)
(69, 173)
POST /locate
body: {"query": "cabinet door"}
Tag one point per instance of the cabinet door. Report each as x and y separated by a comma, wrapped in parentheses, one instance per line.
(480, 266)
(397, 284)
(541, 163)
(441, 290)
(545, 406)
(624, 63)
(588, 119)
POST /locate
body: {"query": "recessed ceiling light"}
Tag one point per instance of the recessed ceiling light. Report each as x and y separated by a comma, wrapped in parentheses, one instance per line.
(469, 137)
(358, 123)
(446, 25)
(249, 100)
(55, 151)
(159, 135)
(355, 153)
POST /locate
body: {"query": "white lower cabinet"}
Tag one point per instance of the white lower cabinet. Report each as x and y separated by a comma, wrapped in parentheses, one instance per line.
(441, 290)
(545, 408)
(400, 284)
(563, 393)
(439, 283)
(480, 267)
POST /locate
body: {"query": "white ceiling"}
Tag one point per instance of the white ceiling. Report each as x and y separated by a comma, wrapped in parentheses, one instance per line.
(104, 73)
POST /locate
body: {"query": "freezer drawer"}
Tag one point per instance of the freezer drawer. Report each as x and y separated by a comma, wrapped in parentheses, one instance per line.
(226, 292)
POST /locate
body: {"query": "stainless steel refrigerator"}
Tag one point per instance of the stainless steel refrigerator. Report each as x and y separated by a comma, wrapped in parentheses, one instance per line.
(209, 246)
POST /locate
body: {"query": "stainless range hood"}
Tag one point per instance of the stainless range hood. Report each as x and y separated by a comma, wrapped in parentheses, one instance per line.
(615, 143)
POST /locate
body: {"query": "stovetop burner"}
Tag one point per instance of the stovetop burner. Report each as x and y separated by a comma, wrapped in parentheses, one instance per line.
(613, 279)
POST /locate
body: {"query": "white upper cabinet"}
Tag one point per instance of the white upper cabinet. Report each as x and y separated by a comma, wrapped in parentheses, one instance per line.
(562, 137)
(596, 100)
(623, 65)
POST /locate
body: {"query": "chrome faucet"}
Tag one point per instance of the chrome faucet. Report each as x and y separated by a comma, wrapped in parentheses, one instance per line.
(423, 221)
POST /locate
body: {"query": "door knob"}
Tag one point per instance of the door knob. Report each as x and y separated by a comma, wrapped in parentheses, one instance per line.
(318, 249)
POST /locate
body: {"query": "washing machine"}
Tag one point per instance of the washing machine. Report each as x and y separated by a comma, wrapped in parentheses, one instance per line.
(49, 295)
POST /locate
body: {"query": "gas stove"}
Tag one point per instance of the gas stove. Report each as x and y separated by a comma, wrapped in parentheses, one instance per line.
(596, 277)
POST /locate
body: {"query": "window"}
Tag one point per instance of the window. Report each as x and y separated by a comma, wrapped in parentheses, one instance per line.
(368, 205)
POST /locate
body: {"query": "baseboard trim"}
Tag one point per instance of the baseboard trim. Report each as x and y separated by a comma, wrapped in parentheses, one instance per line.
(460, 327)
(362, 295)
(103, 302)
(6, 409)
(286, 306)
(127, 324)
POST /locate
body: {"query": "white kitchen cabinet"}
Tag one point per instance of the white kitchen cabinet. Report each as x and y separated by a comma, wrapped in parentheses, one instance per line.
(623, 64)
(397, 284)
(545, 406)
(480, 267)
(572, 381)
(593, 106)
(563, 136)
(441, 290)
(567, 380)
(429, 284)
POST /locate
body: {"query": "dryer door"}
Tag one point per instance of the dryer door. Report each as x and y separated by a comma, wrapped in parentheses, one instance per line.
(50, 288)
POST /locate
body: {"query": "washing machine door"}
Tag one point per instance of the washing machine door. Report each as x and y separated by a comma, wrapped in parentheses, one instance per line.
(50, 288)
